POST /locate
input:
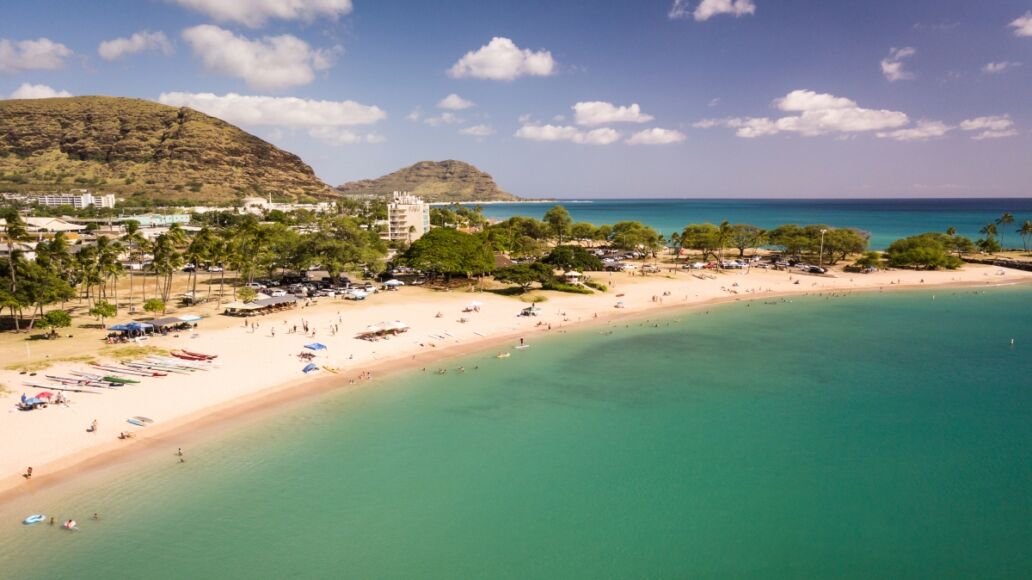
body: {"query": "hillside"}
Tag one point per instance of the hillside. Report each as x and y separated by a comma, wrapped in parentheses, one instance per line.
(141, 150)
(436, 181)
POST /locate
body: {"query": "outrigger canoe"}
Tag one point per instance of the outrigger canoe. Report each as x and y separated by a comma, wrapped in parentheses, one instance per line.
(199, 354)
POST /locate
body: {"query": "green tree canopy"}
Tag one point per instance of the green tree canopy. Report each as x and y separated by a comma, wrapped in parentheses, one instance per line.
(448, 252)
(559, 222)
(926, 251)
(525, 275)
(574, 257)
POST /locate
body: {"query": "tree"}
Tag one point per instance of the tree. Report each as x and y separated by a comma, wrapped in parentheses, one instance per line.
(926, 251)
(573, 257)
(959, 245)
(582, 232)
(104, 310)
(745, 236)
(1026, 233)
(525, 275)
(154, 305)
(1004, 221)
(869, 260)
(56, 319)
(14, 232)
(559, 222)
(723, 239)
(448, 252)
(247, 294)
(839, 243)
(988, 245)
(702, 238)
(632, 235)
(135, 240)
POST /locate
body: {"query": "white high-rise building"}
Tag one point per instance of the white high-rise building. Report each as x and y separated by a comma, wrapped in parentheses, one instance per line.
(408, 217)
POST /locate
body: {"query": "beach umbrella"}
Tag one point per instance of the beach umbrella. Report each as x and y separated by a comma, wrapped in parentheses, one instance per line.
(316, 346)
(309, 368)
(393, 282)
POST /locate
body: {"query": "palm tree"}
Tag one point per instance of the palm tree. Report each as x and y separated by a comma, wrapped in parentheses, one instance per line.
(723, 239)
(951, 231)
(1004, 220)
(135, 240)
(196, 253)
(14, 231)
(1026, 233)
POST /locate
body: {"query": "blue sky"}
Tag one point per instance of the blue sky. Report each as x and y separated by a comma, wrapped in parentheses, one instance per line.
(689, 98)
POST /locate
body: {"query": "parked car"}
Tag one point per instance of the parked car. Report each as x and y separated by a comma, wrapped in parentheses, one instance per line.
(355, 294)
(255, 286)
(278, 292)
(214, 268)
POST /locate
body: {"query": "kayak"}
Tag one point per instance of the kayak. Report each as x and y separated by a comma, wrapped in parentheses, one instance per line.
(34, 519)
(503, 355)
(144, 419)
(135, 421)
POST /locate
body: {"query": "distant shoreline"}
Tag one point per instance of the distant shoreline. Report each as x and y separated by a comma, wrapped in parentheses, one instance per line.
(492, 202)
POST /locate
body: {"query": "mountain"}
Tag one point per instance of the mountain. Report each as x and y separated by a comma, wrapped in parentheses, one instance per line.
(142, 150)
(436, 181)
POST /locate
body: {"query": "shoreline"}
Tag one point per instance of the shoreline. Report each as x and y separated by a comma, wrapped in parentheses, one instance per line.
(202, 422)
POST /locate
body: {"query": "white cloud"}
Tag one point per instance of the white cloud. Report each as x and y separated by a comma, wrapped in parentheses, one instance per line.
(277, 111)
(602, 136)
(138, 42)
(39, 54)
(415, 115)
(893, 66)
(991, 127)
(342, 136)
(714, 102)
(478, 131)
(271, 63)
(656, 136)
(923, 131)
(818, 114)
(602, 113)
(993, 68)
(445, 118)
(255, 13)
(707, 9)
(455, 103)
(1022, 25)
(502, 60)
(30, 91)
(524, 119)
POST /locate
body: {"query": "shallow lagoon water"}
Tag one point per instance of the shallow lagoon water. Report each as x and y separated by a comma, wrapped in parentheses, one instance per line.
(862, 436)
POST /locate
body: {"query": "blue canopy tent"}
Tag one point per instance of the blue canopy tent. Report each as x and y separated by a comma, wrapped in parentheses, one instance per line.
(131, 326)
(310, 367)
(316, 346)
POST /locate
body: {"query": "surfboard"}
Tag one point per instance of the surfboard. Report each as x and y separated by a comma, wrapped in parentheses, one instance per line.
(135, 421)
(34, 519)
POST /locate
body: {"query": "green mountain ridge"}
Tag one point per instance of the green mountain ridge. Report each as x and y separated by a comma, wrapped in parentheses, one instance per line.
(434, 181)
(143, 150)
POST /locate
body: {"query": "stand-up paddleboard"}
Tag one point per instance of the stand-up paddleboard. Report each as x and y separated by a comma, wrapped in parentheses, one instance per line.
(135, 421)
(34, 519)
(144, 419)
(522, 346)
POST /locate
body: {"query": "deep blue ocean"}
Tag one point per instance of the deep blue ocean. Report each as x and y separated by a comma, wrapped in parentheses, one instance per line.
(885, 219)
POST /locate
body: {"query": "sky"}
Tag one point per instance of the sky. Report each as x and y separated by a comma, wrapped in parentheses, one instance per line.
(577, 98)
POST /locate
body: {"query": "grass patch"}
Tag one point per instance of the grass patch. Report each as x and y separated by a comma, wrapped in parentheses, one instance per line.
(564, 287)
(132, 351)
(596, 285)
(533, 298)
(43, 364)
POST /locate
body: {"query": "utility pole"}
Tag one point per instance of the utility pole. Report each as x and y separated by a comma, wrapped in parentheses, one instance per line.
(820, 258)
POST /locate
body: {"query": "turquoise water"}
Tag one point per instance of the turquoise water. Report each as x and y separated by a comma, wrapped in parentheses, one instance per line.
(866, 436)
(885, 219)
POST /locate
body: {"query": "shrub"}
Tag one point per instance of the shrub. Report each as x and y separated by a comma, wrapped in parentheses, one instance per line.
(564, 287)
(926, 251)
(596, 285)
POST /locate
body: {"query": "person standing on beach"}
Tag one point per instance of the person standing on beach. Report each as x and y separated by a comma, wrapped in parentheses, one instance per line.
(28, 473)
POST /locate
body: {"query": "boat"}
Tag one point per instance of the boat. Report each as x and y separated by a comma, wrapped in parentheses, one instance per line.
(154, 367)
(135, 421)
(127, 371)
(200, 354)
(122, 380)
(503, 355)
(185, 356)
(144, 419)
(34, 519)
(82, 382)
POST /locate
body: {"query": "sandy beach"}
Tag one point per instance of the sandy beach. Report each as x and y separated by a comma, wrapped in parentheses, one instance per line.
(257, 368)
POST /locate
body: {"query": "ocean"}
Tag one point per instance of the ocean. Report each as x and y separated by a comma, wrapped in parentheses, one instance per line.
(886, 220)
(865, 436)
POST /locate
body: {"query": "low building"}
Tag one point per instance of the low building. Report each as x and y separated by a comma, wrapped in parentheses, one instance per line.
(79, 200)
(157, 220)
(408, 218)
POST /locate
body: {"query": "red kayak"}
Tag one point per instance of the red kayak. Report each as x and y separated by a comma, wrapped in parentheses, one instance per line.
(186, 356)
(200, 355)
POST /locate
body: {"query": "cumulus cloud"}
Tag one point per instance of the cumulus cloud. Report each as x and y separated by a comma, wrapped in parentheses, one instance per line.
(269, 63)
(502, 60)
(656, 136)
(255, 13)
(291, 112)
(39, 54)
(478, 131)
(455, 103)
(991, 127)
(415, 115)
(923, 131)
(893, 66)
(343, 136)
(710, 8)
(1022, 25)
(602, 113)
(138, 42)
(993, 68)
(817, 114)
(445, 118)
(602, 136)
(30, 91)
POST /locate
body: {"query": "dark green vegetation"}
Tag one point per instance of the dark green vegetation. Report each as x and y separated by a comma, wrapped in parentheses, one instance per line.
(929, 251)
(142, 150)
(434, 181)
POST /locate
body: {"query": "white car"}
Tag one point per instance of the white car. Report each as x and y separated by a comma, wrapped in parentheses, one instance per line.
(255, 286)
(277, 293)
